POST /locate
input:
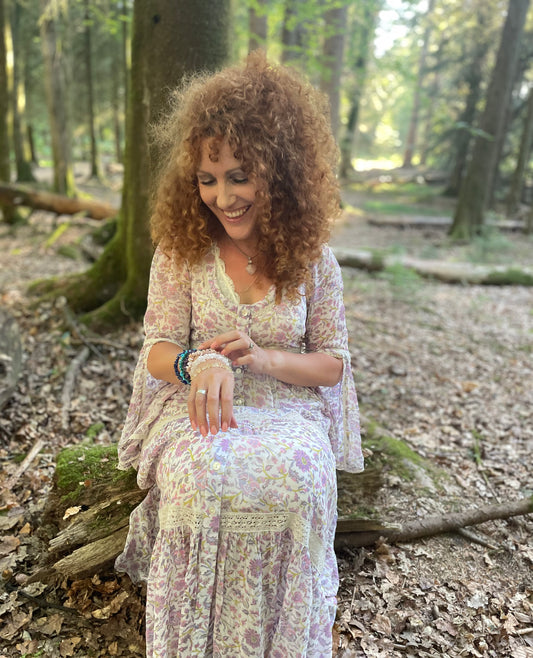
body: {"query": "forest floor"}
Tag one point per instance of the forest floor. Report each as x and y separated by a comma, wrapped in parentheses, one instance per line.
(446, 368)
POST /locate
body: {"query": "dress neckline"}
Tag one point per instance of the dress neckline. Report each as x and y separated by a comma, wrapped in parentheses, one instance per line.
(225, 286)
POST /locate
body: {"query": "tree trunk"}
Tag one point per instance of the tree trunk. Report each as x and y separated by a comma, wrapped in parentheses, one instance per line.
(413, 123)
(56, 100)
(22, 151)
(474, 78)
(361, 35)
(293, 33)
(7, 210)
(95, 173)
(469, 213)
(170, 39)
(517, 182)
(257, 25)
(333, 53)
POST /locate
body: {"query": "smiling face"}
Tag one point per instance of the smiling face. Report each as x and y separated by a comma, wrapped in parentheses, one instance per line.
(228, 191)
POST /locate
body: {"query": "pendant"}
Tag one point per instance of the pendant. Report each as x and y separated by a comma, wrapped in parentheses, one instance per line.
(250, 268)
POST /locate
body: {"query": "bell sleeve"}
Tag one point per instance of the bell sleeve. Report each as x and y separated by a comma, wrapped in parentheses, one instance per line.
(326, 332)
(167, 318)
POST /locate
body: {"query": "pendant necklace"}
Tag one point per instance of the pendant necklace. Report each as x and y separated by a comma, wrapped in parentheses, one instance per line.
(250, 267)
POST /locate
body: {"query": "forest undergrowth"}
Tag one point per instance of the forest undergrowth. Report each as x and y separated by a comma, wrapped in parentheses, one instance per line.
(445, 368)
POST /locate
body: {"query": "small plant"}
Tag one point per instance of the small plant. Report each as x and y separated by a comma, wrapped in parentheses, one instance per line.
(404, 282)
(490, 246)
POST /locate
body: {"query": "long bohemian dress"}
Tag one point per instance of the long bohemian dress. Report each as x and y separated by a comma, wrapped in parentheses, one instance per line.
(235, 536)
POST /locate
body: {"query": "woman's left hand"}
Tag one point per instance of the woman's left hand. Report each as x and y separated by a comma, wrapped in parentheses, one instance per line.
(240, 349)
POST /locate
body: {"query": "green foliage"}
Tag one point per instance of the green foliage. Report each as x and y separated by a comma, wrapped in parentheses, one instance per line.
(490, 246)
(510, 276)
(404, 282)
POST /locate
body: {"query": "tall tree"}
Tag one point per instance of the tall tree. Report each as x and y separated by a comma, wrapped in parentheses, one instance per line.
(469, 213)
(293, 32)
(363, 19)
(473, 78)
(56, 98)
(95, 172)
(171, 38)
(20, 37)
(333, 53)
(410, 143)
(257, 24)
(7, 211)
(524, 152)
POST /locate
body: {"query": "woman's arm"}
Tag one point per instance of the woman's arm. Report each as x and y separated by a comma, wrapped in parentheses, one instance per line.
(310, 369)
(160, 362)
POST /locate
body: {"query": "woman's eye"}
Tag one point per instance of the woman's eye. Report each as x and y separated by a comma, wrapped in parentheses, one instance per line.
(205, 182)
(240, 181)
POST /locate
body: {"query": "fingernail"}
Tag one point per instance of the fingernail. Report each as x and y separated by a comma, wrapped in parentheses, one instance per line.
(203, 430)
(213, 429)
(224, 427)
(194, 425)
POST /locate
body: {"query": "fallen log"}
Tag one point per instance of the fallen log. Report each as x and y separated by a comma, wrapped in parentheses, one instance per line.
(16, 195)
(349, 530)
(447, 272)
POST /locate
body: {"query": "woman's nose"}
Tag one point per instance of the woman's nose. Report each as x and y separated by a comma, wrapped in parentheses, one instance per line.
(225, 198)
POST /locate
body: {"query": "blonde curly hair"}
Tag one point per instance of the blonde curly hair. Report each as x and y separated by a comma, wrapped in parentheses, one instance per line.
(278, 127)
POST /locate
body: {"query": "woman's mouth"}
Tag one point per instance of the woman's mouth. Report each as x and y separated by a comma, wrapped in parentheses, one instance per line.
(236, 214)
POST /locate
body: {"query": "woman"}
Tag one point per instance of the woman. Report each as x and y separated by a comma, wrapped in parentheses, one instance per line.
(238, 439)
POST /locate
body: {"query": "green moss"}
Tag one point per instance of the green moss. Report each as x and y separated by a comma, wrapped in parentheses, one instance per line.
(87, 465)
(510, 277)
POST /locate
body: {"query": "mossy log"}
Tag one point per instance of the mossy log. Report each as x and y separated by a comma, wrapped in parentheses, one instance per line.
(16, 195)
(463, 273)
(91, 501)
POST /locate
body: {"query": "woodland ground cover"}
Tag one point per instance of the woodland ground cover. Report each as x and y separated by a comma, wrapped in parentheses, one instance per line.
(445, 368)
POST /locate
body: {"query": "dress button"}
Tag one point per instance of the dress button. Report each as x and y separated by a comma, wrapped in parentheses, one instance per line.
(239, 401)
(238, 370)
(216, 466)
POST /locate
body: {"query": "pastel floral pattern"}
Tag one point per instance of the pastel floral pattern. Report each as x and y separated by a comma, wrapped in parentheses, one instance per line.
(235, 537)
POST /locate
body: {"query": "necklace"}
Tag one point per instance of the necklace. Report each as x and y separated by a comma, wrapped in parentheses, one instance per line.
(250, 267)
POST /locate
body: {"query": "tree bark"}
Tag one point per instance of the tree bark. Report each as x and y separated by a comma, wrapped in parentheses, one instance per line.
(170, 39)
(257, 25)
(21, 147)
(95, 170)
(469, 214)
(56, 100)
(410, 143)
(473, 78)
(361, 35)
(16, 195)
(517, 182)
(333, 55)
(8, 213)
(293, 33)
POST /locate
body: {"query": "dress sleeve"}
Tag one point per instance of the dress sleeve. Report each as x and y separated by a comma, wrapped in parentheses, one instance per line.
(326, 332)
(167, 318)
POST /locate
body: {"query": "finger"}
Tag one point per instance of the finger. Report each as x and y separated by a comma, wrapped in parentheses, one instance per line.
(200, 402)
(233, 423)
(226, 404)
(191, 406)
(213, 408)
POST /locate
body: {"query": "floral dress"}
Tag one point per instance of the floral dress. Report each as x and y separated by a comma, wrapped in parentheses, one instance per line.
(235, 536)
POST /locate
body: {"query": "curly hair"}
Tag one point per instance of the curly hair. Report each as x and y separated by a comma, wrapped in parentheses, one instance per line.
(278, 127)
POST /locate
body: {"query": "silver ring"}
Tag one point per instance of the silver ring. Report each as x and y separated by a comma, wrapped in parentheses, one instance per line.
(251, 346)
(201, 391)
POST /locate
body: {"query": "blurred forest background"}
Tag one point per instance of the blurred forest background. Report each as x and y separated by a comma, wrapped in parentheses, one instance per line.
(439, 89)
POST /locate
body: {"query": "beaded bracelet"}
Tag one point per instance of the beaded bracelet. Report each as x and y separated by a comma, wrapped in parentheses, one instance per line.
(206, 361)
(180, 366)
(207, 365)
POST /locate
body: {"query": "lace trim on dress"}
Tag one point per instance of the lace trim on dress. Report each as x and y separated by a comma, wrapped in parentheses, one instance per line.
(248, 522)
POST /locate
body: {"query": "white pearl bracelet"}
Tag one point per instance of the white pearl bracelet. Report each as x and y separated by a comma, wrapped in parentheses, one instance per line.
(211, 360)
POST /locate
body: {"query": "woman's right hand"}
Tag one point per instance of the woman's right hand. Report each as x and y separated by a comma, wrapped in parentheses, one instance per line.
(210, 401)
